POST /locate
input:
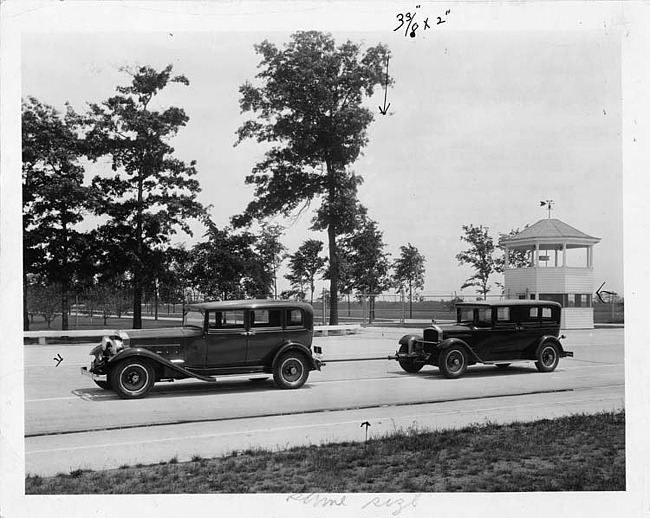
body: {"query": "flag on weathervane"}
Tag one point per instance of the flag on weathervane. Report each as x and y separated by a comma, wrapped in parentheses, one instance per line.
(549, 204)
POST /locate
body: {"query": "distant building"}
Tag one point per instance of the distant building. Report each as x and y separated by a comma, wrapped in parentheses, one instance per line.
(551, 260)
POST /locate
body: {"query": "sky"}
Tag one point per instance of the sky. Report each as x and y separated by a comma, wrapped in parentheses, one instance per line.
(482, 126)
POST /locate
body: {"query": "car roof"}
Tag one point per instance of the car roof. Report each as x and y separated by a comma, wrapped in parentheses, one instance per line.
(251, 303)
(511, 302)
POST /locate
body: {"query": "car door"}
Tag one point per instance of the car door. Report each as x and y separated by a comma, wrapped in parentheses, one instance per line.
(506, 334)
(226, 338)
(265, 335)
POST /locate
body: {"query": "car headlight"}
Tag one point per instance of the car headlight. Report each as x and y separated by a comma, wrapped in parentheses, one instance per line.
(111, 345)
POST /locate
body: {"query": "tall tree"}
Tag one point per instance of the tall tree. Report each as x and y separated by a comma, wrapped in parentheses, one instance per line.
(367, 262)
(308, 106)
(151, 194)
(409, 272)
(480, 256)
(305, 265)
(54, 198)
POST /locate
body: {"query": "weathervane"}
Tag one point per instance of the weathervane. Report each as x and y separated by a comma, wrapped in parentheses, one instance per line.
(549, 204)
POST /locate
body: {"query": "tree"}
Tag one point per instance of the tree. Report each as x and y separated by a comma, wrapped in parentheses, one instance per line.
(227, 266)
(409, 272)
(308, 105)
(367, 263)
(517, 258)
(54, 199)
(305, 265)
(480, 256)
(151, 194)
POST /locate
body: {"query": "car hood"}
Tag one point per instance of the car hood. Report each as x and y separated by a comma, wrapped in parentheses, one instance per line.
(455, 330)
(135, 335)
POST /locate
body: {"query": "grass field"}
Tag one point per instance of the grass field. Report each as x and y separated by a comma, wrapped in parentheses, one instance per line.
(575, 453)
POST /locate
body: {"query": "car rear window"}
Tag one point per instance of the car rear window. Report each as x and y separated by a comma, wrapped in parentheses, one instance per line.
(267, 318)
(294, 318)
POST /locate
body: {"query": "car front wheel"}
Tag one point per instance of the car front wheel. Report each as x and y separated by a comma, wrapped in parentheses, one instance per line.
(548, 357)
(132, 378)
(453, 362)
(409, 365)
(291, 371)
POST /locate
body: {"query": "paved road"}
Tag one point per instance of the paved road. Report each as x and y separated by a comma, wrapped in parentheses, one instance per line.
(71, 423)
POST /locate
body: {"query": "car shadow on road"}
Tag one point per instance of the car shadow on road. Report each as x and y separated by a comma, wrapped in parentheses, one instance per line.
(184, 389)
(483, 371)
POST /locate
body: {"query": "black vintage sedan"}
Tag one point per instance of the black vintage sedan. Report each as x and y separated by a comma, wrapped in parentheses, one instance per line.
(217, 339)
(488, 332)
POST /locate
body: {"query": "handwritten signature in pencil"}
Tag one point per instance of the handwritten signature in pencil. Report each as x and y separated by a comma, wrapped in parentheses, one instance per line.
(396, 505)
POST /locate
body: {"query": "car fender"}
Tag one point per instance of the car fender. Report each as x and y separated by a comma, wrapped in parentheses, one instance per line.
(295, 346)
(145, 353)
(449, 342)
(547, 339)
(409, 340)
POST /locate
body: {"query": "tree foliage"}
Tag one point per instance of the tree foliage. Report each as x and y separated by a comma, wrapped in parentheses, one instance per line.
(304, 265)
(55, 198)
(272, 252)
(228, 266)
(151, 194)
(517, 258)
(367, 264)
(480, 256)
(307, 104)
(409, 272)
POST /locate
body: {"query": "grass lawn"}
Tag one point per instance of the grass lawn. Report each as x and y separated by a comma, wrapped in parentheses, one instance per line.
(575, 453)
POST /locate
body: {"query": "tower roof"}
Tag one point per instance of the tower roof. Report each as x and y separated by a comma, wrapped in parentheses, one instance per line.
(550, 231)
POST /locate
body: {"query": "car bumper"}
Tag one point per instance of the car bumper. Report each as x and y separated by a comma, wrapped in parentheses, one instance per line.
(85, 371)
(566, 354)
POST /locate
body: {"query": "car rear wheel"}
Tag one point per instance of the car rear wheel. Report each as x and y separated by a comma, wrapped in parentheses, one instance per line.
(453, 362)
(409, 365)
(291, 371)
(548, 356)
(132, 378)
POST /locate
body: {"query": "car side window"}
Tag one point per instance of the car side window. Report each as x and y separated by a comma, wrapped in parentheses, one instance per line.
(267, 318)
(294, 318)
(529, 317)
(484, 317)
(503, 314)
(230, 319)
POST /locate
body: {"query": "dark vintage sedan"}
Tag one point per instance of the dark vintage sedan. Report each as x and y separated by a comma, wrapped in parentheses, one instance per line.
(488, 332)
(217, 339)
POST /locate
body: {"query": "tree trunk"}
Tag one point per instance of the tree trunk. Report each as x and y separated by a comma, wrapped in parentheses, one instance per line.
(334, 276)
(64, 273)
(410, 300)
(25, 312)
(137, 273)
(333, 252)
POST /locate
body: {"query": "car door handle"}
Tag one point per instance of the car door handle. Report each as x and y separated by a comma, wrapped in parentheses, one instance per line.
(247, 333)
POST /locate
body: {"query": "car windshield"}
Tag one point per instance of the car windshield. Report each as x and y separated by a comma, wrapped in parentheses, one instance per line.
(465, 315)
(193, 318)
